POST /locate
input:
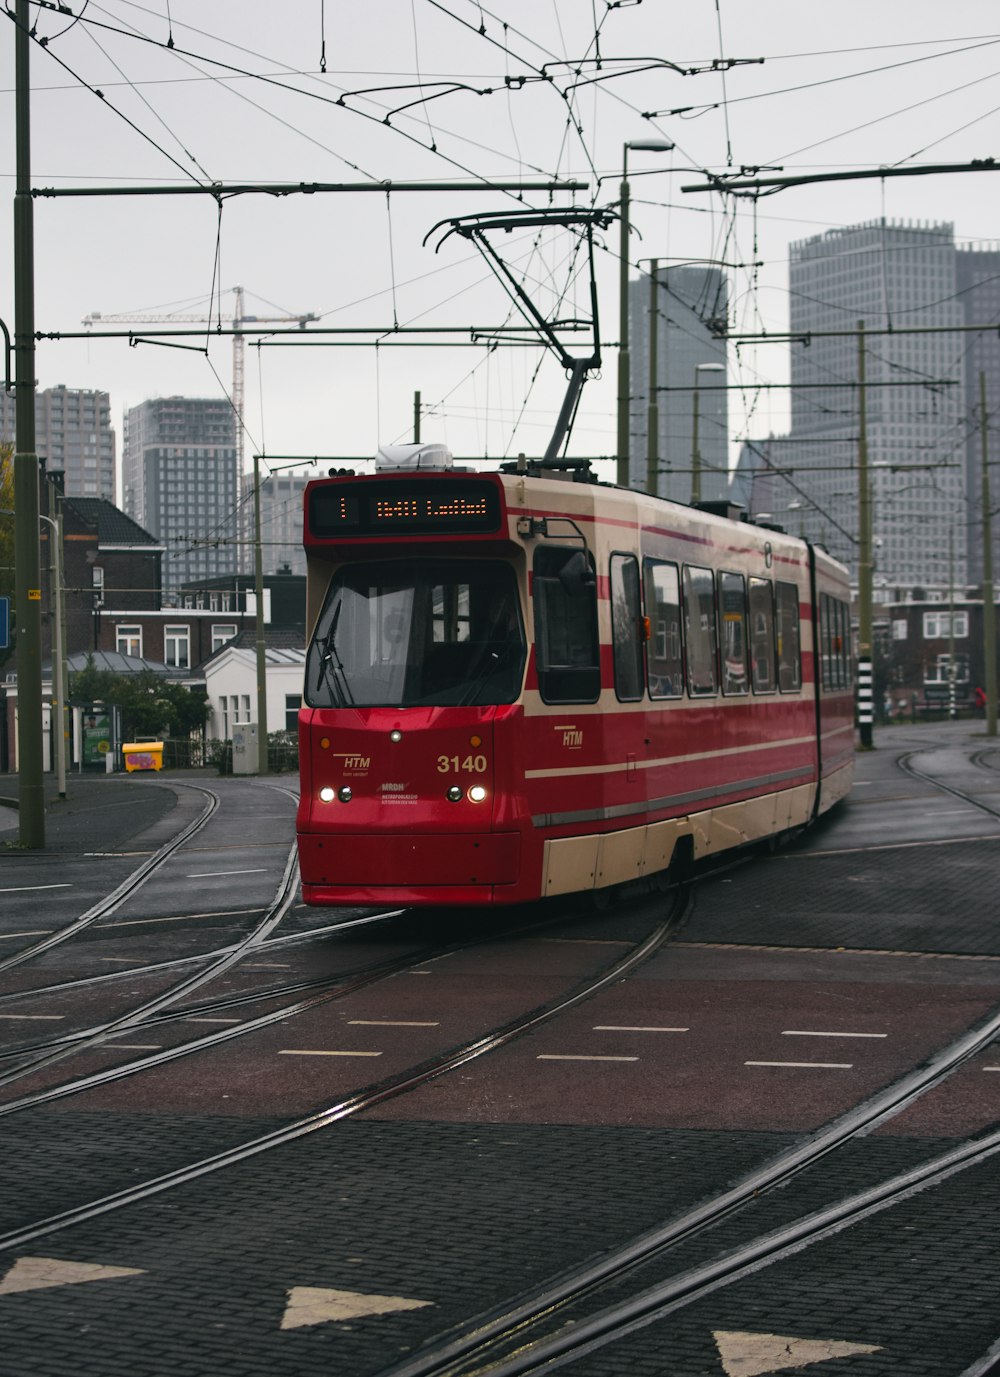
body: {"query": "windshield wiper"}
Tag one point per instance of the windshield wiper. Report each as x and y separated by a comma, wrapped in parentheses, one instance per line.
(330, 664)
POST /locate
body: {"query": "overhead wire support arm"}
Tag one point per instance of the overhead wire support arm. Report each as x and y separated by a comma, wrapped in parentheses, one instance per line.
(723, 182)
(223, 189)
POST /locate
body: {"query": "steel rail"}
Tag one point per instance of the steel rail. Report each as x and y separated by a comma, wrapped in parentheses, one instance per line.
(273, 915)
(128, 886)
(374, 1094)
(445, 1357)
(619, 1321)
(288, 940)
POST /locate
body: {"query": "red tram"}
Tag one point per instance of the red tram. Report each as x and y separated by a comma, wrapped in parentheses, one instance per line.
(526, 683)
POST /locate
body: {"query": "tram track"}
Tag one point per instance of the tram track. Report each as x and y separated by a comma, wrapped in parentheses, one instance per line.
(129, 886)
(408, 1079)
(541, 1330)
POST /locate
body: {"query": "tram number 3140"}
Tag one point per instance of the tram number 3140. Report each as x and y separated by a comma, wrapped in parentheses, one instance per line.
(474, 764)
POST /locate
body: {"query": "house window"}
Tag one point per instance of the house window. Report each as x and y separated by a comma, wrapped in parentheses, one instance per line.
(98, 572)
(937, 628)
(222, 633)
(899, 629)
(292, 704)
(128, 640)
(246, 707)
(177, 646)
(224, 706)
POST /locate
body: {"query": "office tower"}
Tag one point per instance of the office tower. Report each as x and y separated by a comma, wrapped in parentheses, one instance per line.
(280, 522)
(690, 368)
(891, 277)
(978, 283)
(72, 433)
(179, 481)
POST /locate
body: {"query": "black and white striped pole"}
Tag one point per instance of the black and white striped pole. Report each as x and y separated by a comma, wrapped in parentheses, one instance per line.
(866, 701)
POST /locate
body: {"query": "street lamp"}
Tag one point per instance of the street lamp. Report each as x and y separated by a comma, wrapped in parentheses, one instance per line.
(699, 368)
(624, 388)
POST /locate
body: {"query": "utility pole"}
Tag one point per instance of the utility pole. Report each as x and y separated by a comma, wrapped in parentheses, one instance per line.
(416, 418)
(258, 582)
(27, 551)
(653, 406)
(865, 632)
(624, 364)
(989, 609)
(952, 708)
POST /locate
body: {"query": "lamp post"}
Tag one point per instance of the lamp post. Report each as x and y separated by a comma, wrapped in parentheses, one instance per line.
(624, 389)
(699, 368)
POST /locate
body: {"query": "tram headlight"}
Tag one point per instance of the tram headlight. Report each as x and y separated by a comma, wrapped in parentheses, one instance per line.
(326, 795)
(345, 794)
(454, 794)
(477, 793)
(395, 735)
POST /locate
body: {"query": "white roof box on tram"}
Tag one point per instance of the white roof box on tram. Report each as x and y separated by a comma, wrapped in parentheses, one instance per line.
(400, 458)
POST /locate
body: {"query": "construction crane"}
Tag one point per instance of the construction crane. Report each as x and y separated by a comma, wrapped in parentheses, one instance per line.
(207, 318)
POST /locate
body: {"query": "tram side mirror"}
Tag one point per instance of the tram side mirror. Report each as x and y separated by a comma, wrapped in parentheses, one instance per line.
(576, 575)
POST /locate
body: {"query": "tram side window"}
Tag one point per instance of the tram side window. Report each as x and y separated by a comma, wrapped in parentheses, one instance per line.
(567, 649)
(733, 612)
(699, 631)
(664, 655)
(762, 635)
(836, 642)
(789, 659)
(826, 638)
(626, 611)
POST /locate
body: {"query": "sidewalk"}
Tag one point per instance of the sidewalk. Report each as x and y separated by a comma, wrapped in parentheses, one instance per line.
(99, 813)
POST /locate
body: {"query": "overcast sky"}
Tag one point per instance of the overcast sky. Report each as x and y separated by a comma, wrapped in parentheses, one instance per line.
(233, 91)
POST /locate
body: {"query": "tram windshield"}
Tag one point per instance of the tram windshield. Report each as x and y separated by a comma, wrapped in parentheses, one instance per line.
(403, 634)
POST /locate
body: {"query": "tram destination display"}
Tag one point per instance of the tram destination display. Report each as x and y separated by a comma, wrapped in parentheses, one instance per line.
(418, 507)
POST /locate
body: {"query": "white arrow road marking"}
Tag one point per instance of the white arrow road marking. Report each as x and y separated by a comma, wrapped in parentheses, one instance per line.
(752, 1355)
(34, 1273)
(318, 1305)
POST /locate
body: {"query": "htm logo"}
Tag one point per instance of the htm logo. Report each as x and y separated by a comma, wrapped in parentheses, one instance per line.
(356, 762)
(571, 735)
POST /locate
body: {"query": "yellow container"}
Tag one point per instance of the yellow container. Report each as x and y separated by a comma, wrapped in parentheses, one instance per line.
(143, 755)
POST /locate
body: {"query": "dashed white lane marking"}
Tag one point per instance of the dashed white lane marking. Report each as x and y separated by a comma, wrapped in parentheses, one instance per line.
(35, 1017)
(34, 1273)
(30, 889)
(39, 932)
(813, 1033)
(309, 1052)
(128, 960)
(318, 1305)
(991, 1068)
(628, 1028)
(554, 1056)
(815, 1065)
(213, 874)
(389, 1023)
(753, 1355)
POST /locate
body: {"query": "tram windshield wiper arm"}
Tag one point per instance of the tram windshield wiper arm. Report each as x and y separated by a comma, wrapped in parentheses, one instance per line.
(330, 664)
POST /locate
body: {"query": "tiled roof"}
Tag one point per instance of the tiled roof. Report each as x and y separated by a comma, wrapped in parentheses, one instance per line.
(113, 526)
